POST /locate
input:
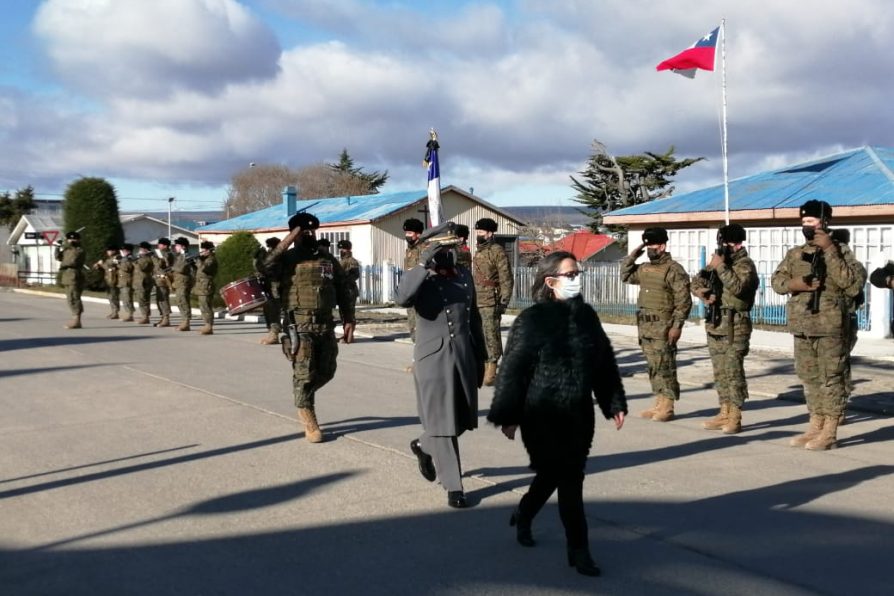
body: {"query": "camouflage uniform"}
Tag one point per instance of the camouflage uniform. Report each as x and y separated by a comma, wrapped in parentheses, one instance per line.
(821, 340)
(109, 265)
(663, 302)
(464, 256)
(206, 269)
(184, 275)
(273, 305)
(857, 297)
(143, 284)
(71, 276)
(125, 285)
(162, 261)
(411, 259)
(729, 341)
(493, 287)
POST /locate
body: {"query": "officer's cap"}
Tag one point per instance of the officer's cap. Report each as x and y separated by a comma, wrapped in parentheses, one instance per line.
(165, 241)
(272, 242)
(303, 220)
(344, 244)
(145, 245)
(182, 242)
(413, 225)
(207, 245)
(127, 246)
(732, 233)
(655, 236)
(818, 209)
(72, 236)
(444, 234)
(462, 231)
(486, 224)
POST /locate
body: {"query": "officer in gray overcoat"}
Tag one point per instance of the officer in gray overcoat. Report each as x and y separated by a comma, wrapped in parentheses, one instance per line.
(449, 355)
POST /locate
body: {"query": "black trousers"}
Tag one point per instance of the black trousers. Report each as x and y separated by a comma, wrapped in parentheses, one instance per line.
(570, 484)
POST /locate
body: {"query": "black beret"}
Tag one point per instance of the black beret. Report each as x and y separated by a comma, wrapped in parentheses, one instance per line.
(462, 231)
(486, 224)
(165, 241)
(413, 225)
(145, 245)
(303, 220)
(72, 236)
(182, 242)
(819, 209)
(207, 245)
(345, 244)
(841, 235)
(881, 275)
(127, 246)
(111, 246)
(655, 236)
(272, 242)
(324, 242)
(732, 233)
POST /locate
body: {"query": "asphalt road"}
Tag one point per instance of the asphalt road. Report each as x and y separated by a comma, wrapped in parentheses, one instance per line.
(136, 460)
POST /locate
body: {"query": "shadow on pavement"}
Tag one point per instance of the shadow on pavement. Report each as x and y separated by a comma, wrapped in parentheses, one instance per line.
(50, 369)
(27, 343)
(339, 428)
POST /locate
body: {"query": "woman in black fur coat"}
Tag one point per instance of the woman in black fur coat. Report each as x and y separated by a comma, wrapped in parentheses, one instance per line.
(556, 359)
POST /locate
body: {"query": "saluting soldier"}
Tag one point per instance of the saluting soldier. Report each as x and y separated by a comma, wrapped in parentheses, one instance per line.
(463, 253)
(351, 267)
(663, 306)
(273, 305)
(109, 266)
(312, 283)
(493, 287)
(71, 259)
(125, 280)
(206, 269)
(817, 275)
(143, 282)
(727, 287)
(163, 260)
(412, 230)
(184, 276)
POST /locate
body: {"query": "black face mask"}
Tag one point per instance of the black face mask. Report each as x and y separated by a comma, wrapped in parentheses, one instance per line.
(308, 241)
(410, 241)
(343, 253)
(809, 232)
(444, 260)
(481, 240)
(653, 254)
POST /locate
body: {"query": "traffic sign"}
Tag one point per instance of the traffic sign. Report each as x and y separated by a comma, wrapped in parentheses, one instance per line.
(50, 235)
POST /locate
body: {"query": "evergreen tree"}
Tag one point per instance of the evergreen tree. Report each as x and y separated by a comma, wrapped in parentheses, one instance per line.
(91, 204)
(12, 209)
(609, 183)
(372, 180)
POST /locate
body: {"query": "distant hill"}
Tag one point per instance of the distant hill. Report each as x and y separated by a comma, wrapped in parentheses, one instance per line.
(558, 216)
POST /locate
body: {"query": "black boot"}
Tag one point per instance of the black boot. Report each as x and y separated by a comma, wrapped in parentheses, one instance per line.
(522, 528)
(580, 559)
(457, 499)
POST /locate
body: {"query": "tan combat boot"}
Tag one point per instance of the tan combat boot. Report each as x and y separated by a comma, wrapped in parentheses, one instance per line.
(490, 373)
(74, 323)
(733, 421)
(184, 325)
(207, 330)
(112, 315)
(164, 322)
(143, 321)
(271, 338)
(717, 422)
(665, 411)
(828, 437)
(127, 319)
(312, 430)
(651, 411)
(814, 428)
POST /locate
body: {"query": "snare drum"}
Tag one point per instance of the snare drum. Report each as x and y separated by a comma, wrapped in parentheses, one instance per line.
(243, 295)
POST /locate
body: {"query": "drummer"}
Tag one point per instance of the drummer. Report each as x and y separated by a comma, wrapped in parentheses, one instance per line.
(273, 306)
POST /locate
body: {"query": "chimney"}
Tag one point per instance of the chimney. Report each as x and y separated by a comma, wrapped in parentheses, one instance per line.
(290, 199)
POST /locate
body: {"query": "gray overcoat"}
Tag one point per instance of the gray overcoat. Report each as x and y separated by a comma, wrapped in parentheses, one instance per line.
(449, 353)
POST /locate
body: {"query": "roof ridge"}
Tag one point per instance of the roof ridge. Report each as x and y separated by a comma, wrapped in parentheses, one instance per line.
(881, 164)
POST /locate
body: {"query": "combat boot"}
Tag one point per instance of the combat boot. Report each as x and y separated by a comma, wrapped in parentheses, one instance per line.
(828, 437)
(733, 420)
(717, 422)
(164, 322)
(184, 325)
(207, 330)
(143, 321)
(312, 430)
(665, 411)
(814, 428)
(490, 373)
(271, 338)
(127, 319)
(112, 315)
(74, 323)
(651, 411)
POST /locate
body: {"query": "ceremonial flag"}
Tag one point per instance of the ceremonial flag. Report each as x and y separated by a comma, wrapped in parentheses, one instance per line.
(700, 55)
(436, 213)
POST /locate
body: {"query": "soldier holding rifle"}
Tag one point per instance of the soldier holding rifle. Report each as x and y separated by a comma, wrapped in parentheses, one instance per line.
(72, 259)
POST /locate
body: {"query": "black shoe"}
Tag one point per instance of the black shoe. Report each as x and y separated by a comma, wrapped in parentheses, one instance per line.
(522, 530)
(457, 499)
(580, 559)
(426, 465)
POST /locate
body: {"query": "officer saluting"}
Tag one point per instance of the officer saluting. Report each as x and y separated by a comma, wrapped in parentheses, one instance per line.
(71, 259)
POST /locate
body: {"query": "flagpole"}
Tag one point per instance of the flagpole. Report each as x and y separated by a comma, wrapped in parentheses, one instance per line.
(723, 140)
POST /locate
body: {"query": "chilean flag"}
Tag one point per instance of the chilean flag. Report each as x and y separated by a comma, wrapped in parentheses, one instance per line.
(700, 55)
(435, 210)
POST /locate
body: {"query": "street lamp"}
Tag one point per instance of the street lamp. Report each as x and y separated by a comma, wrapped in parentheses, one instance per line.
(170, 202)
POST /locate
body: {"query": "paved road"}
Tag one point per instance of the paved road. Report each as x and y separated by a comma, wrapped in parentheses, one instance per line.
(146, 461)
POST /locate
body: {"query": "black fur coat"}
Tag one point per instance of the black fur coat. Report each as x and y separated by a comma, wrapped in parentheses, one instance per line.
(557, 358)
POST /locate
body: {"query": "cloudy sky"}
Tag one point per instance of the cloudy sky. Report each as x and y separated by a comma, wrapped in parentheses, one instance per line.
(172, 97)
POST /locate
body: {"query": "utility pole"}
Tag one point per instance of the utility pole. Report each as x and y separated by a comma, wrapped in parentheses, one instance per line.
(170, 202)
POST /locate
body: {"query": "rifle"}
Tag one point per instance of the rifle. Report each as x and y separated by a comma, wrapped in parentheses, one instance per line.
(817, 271)
(713, 312)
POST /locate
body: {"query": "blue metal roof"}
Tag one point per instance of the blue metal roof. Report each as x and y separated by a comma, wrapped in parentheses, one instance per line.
(327, 210)
(857, 177)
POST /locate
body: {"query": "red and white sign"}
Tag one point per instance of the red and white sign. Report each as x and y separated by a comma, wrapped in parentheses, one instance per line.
(50, 235)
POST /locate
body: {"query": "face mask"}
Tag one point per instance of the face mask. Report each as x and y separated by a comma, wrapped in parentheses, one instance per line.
(410, 241)
(653, 254)
(481, 239)
(567, 288)
(809, 232)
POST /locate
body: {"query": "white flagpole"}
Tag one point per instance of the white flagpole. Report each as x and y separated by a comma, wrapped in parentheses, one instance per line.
(723, 133)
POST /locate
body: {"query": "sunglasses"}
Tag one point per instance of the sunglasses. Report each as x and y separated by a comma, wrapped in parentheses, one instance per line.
(568, 274)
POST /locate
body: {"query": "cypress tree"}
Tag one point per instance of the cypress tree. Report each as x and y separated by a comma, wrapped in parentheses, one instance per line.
(91, 204)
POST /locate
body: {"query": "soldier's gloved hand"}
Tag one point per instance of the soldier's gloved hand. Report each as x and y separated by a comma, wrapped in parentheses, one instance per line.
(799, 284)
(427, 256)
(673, 334)
(822, 239)
(638, 250)
(716, 261)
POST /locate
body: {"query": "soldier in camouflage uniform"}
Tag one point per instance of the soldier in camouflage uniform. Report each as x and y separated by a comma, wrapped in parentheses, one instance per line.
(273, 305)
(143, 281)
(817, 276)
(351, 267)
(71, 259)
(463, 254)
(162, 261)
(312, 284)
(109, 266)
(412, 230)
(857, 297)
(663, 306)
(125, 280)
(728, 284)
(184, 277)
(493, 287)
(206, 269)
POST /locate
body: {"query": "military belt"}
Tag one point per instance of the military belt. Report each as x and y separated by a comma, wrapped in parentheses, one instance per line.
(646, 318)
(486, 283)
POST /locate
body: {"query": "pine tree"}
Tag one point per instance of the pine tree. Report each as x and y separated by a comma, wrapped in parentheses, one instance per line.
(372, 180)
(91, 206)
(12, 209)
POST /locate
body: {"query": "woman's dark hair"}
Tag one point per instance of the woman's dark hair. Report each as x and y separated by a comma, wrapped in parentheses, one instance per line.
(548, 267)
